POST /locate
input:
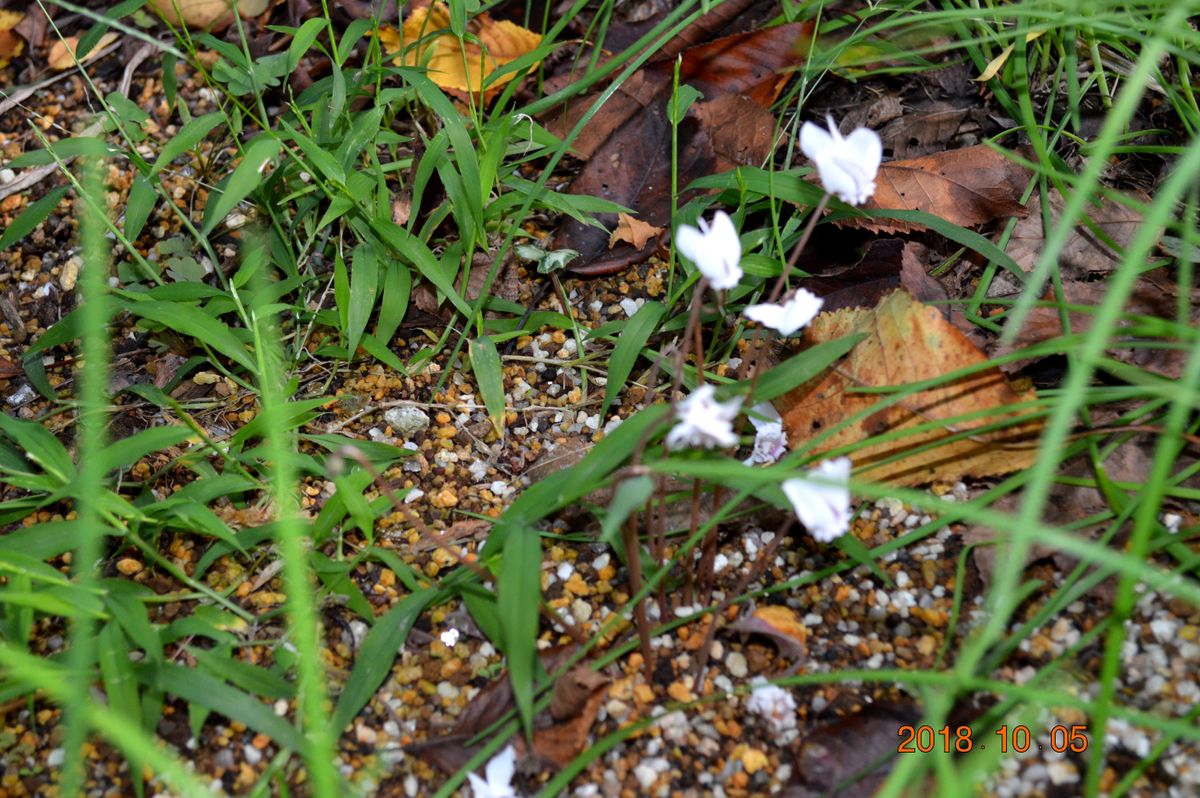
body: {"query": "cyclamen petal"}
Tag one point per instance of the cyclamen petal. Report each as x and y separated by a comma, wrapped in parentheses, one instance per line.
(769, 441)
(790, 316)
(702, 422)
(500, 771)
(847, 164)
(822, 505)
(715, 249)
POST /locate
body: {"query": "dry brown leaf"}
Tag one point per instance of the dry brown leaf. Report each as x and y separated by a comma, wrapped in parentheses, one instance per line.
(923, 132)
(461, 67)
(62, 52)
(11, 44)
(212, 15)
(908, 342)
(633, 231)
(968, 187)
(1085, 252)
(1155, 294)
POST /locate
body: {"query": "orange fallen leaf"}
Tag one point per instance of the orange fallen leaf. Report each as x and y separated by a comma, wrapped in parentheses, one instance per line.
(460, 66)
(633, 231)
(11, 44)
(62, 52)
(211, 15)
(968, 187)
(782, 625)
(908, 342)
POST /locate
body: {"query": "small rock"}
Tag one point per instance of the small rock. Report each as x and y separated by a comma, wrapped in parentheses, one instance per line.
(406, 420)
(735, 661)
(69, 273)
(129, 566)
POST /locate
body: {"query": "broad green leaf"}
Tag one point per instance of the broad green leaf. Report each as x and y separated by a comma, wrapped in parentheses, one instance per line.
(378, 653)
(485, 362)
(46, 540)
(630, 495)
(335, 576)
(203, 689)
(350, 491)
(629, 345)
(518, 597)
(244, 180)
(188, 137)
(116, 671)
(125, 452)
(31, 217)
(303, 39)
(139, 206)
(40, 446)
(418, 254)
(253, 679)
(80, 146)
(125, 601)
(16, 563)
(364, 290)
(319, 161)
(680, 102)
(800, 368)
(191, 321)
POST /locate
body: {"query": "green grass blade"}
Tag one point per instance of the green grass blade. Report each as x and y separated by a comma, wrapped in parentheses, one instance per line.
(242, 183)
(489, 374)
(629, 345)
(31, 217)
(519, 594)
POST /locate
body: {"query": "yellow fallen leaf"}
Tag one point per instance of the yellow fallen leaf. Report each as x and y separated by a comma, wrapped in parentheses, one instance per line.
(11, 44)
(62, 52)
(462, 66)
(908, 342)
(996, 64)
(634, 231)
(210, 15)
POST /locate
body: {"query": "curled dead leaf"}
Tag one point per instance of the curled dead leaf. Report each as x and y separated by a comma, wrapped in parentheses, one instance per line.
(907, 342)
(782, 625)
(633, 231)
(62, 52)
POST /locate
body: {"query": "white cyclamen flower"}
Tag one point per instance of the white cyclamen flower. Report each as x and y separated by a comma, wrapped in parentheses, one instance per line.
(769, 441)
(823, 503)
(500, 770)
(847, 164)
(703, 422)
(788, 317)
(714, 248)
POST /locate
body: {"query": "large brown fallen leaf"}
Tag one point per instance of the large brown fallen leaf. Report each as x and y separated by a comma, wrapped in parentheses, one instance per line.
(62, 52)
(463, 67)
(212, 15)
(909, 342)
(968, 187)
(1085, 252)
(1155, 294)
(738, 76)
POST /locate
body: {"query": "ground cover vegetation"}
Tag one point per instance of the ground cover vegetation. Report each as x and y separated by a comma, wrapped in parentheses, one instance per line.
(599, 398)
